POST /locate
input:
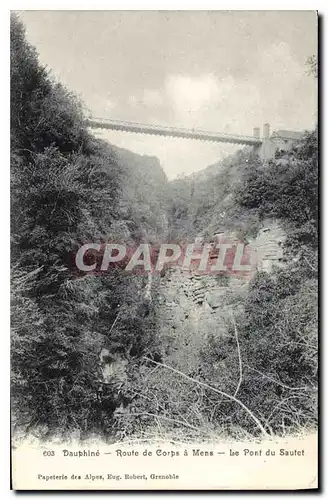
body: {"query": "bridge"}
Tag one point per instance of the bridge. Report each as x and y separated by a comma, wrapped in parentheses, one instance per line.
(181, 133)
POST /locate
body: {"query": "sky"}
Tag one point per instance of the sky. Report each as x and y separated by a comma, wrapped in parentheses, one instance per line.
(224, 71)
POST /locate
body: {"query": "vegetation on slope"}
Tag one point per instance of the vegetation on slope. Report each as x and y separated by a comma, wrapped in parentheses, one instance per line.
(203, 204)
(67, 188)
(268, 356)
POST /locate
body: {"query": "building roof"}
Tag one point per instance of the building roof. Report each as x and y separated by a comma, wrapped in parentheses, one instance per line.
(288, 134)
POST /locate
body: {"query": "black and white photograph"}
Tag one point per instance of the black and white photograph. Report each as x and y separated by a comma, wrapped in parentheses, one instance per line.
(164, 249)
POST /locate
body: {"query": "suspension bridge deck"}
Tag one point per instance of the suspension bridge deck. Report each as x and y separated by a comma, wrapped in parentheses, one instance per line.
(181, 133)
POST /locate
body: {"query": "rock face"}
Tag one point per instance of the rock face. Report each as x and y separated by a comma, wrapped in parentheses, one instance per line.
(112, 372)
(194, 306)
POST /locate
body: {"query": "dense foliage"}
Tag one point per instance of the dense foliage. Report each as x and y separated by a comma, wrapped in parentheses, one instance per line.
(287, 189)
(67, 188)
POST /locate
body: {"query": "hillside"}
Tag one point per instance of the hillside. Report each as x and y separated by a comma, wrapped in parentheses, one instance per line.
(176, 353)
(69, 188)
(145, 191)
(253, 336)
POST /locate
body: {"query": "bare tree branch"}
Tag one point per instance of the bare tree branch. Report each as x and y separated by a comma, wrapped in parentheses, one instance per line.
(169, 420)
(114, 323)
(229, 396)
(277, 406)
(276, 381)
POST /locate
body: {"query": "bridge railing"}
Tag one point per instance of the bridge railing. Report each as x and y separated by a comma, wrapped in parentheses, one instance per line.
(147, 128)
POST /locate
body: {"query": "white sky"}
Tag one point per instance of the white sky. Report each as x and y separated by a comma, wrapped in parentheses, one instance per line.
(214, 70)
